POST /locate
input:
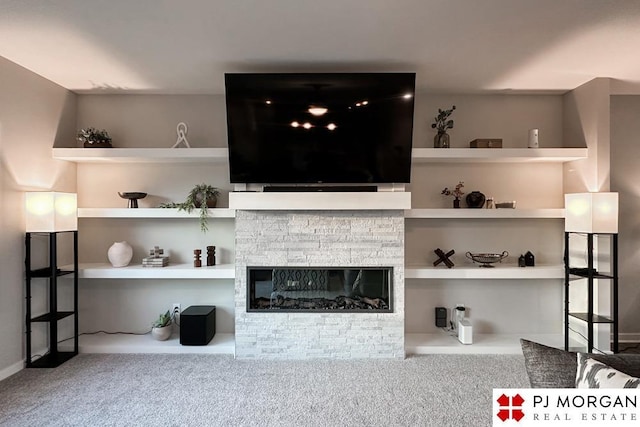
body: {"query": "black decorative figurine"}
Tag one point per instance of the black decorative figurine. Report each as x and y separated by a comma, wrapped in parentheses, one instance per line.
(196, 255)
(529, 259)
(211, 256)
(443, 258)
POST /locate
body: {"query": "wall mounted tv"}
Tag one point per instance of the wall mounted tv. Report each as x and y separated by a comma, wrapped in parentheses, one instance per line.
(320, 127)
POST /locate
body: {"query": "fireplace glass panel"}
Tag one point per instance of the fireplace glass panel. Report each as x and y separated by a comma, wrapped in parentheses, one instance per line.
(319, 289)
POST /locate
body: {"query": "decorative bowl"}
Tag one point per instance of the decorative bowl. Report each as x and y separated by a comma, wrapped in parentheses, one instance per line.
(486, 259)
(133, 198)
(133, 195)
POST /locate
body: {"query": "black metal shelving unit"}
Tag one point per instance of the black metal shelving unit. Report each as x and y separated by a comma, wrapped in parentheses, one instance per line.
(591, 275)
(53, 357)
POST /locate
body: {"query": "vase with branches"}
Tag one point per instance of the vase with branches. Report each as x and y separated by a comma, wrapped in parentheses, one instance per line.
(442, 123)
(456, 193)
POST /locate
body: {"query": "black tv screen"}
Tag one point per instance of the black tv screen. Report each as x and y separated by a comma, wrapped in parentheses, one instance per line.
(320, 128)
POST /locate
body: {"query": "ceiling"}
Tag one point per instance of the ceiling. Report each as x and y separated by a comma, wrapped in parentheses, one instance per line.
(454, 46)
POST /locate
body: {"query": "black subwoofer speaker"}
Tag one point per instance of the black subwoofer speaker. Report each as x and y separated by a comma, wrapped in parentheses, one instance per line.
(197, 324)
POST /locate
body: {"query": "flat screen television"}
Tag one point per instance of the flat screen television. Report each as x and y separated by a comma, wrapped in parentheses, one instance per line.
(306, 128)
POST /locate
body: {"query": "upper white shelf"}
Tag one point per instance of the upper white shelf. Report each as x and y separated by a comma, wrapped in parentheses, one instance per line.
(151, 213)
(142, 155)
(221, 155)
(408, 213)
(381, 200)
(500, 271)
(172, 271)
(483, 213)
(498, 155)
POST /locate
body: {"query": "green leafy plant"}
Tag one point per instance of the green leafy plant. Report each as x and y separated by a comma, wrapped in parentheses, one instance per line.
(94, 136)
(162, 321)
(456, 192)
(199, 197)
(440, 121)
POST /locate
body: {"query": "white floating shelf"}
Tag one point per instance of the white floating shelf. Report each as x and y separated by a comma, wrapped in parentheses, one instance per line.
(500, 271)
(151, 213)
(208, 155)
(381, 200)
(172, 271)
(498, 155)
(142, 155)
(125, 343)
(443, 343)
(483, 213)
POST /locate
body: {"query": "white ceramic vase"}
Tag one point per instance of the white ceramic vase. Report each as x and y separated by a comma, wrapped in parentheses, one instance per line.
(161, 334)
(120, 254)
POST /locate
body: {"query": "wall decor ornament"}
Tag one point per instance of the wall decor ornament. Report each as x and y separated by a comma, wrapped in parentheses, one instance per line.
(442, 123)
(197, 261)
(444, 258)
(529, 259)
(181, 130)
(211, 256)
(120, 254)
(521, 261)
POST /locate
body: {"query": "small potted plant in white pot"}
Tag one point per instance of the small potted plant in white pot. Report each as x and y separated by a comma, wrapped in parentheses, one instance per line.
(161, 328)
(94, 138)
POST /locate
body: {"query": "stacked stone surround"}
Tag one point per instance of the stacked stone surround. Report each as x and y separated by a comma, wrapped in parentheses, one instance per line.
(319, 239)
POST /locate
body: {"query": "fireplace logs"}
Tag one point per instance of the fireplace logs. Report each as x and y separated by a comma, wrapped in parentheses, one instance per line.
(280, 302)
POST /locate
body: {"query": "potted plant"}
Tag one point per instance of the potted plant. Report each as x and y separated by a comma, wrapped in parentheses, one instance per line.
(456, 193)
(161, 328)
(202, 196)
(94, 138)
(442, 123)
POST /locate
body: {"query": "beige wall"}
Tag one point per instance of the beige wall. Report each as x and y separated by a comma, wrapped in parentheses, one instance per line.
(145, 121)
(586, 124)
(625, 179)
(33, 114)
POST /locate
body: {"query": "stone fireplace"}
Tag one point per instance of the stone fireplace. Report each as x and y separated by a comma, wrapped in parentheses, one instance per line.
(332, 243)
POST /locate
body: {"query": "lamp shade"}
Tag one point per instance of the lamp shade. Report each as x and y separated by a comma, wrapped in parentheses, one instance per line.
(49, 211)
(591, 212)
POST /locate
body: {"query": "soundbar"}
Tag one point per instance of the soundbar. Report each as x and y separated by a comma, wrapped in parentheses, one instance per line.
(319, 188)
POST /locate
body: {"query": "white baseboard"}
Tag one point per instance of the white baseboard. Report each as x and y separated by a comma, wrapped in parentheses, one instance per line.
(629, 337)
(10, 370)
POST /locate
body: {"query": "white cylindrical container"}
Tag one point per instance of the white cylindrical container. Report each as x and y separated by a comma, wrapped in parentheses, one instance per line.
(120, 254)
(533, 138)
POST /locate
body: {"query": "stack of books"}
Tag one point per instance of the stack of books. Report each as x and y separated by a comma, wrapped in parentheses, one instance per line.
(152, 261)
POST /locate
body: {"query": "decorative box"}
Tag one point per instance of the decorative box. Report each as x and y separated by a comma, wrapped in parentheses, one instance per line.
(486, 143)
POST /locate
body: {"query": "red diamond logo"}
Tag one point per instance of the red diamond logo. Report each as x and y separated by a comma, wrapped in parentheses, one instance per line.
(510, 408)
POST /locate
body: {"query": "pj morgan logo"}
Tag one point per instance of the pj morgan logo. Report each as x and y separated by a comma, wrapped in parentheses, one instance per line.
(510, 407)
(566, 407)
